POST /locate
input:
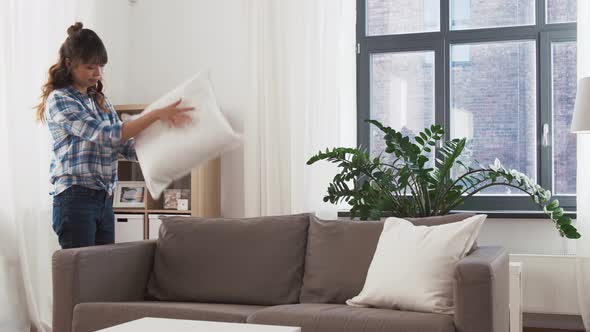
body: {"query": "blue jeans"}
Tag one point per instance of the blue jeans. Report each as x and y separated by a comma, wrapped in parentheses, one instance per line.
(83, 217)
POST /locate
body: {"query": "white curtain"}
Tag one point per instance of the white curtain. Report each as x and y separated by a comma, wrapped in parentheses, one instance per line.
(583, 178)
(30, 34)
(303, 90)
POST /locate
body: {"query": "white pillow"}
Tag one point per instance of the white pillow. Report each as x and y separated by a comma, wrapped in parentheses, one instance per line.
(166, 154)
(413, 266)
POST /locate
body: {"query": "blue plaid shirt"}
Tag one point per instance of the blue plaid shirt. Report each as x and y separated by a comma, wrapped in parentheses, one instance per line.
(86, 141)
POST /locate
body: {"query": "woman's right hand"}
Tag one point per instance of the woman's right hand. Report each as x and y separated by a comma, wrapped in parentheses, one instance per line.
(173, 115)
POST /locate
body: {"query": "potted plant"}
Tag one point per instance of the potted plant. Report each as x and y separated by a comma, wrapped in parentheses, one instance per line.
(413, 185)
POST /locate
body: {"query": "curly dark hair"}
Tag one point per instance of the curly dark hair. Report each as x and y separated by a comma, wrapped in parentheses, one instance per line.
(81, 45)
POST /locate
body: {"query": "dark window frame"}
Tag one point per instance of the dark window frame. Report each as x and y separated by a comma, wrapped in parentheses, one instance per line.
(439, 42)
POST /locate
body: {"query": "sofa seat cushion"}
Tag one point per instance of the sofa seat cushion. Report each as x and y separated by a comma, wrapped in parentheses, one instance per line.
(93, 316)
(317, 317)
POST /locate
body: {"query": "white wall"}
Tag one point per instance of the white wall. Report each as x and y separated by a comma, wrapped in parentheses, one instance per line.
(110, 20)
(171, 40)
(525, 236)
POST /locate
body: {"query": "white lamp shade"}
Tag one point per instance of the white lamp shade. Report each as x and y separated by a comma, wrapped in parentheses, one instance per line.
(581, 118)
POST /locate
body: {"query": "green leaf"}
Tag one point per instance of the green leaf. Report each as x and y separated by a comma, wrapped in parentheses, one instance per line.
(553, 205)
(557, 213)
(378, 125)
(462, 164)
(419, 140)
(567, 228)
(375, 214)
(364, 213)
(564, 220)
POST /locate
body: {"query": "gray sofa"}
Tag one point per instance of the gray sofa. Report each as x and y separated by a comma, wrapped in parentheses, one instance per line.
(286, 270)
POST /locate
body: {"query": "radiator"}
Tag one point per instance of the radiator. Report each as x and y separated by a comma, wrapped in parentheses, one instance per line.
(548, 284)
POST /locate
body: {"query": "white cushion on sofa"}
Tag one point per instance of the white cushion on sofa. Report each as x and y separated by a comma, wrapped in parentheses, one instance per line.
(413, 266)
(166, 154)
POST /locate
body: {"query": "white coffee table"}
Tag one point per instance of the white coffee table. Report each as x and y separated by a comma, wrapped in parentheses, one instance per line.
(150, 324)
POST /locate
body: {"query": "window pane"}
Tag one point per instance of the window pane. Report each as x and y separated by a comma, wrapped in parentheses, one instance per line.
(389, 17)
(561, 11)
(402, 93)
(476, 14)
(563, 93)
(493, 104)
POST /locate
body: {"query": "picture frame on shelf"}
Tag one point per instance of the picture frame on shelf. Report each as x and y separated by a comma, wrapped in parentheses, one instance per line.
(182, 204)
(172, 197)
(130, 194)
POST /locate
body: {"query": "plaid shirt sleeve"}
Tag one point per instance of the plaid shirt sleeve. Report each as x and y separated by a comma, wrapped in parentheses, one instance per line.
(70, 115)
(126, 149)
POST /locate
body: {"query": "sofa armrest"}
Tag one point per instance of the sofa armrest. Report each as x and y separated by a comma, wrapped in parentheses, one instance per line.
(481, 291)
(117, 272)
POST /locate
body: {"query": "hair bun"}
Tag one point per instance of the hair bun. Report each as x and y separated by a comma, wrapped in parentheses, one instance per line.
(74, 28)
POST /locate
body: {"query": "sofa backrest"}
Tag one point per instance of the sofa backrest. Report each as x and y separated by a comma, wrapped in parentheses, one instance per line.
(242, 261)
(339, 253)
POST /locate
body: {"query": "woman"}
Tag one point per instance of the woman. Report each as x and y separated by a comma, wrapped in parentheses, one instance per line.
(87, 138)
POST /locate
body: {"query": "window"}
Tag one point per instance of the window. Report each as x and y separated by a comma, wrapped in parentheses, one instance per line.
(563, 93)
(404, 82)
(468, 14)
(498, 88)
(500, 72)
(389, 17)
(561, 11)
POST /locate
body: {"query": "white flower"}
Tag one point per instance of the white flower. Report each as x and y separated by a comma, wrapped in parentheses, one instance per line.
(496, 166)
(516, 174)
(529, 182)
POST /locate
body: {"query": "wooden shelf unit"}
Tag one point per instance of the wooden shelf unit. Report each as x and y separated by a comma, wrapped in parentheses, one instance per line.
(203, 182)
